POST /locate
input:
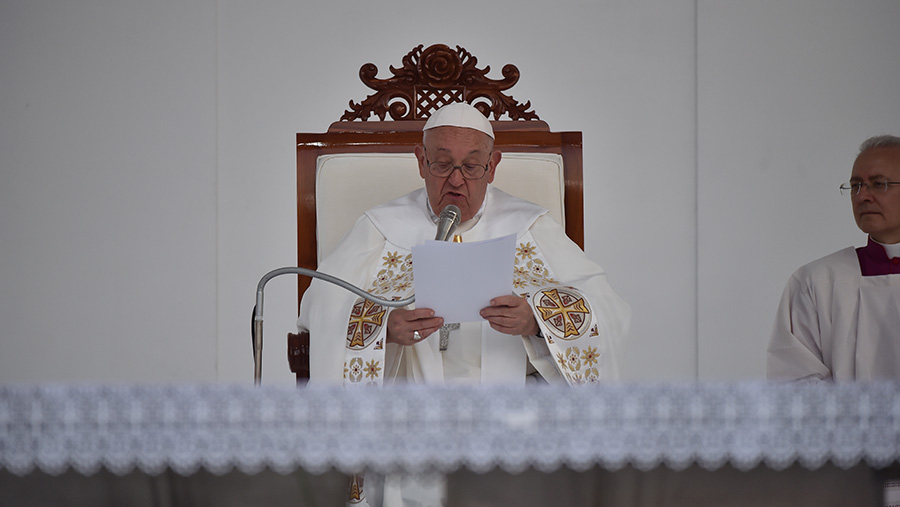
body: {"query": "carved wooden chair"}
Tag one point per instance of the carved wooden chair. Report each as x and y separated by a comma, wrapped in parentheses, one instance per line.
(337, 170)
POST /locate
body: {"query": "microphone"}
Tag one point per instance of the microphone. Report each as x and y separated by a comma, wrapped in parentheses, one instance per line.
(448, 221)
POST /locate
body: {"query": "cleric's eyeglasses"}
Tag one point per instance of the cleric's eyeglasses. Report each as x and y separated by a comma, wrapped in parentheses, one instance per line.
(469, 171)
(875, 187)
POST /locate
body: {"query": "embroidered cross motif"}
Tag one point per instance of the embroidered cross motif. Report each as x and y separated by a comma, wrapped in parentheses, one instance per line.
(562, 311)
(445, 334)
(362, 318)
(355, 494)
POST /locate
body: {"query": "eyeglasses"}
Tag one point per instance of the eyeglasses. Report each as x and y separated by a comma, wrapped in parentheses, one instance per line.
(878, 187)
(468, 171)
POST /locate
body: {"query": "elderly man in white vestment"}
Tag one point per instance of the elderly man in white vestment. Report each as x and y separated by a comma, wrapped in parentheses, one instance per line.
(561, 320)
(839, 317)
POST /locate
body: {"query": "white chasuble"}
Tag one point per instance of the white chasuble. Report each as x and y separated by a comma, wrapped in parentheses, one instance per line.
(583, 321)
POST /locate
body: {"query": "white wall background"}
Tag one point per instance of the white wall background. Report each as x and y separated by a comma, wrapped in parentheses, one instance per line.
(147, 162)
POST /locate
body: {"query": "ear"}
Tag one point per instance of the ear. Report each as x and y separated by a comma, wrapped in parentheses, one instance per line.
(420, 156)
(495, 159)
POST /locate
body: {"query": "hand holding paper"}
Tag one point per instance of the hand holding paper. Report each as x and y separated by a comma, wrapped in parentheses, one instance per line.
(511, 314)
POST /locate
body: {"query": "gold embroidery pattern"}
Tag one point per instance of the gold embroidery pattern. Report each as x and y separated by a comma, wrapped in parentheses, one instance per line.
(573, 359)
(355, 492)
(372, 369)
(396, 274)
(355, 370)
(561, 360)
(392, 259)
(564, 311)
(383, 282)
(530, 269)
(403, 285)
(366, 319)
(525, 250)
(590, 356)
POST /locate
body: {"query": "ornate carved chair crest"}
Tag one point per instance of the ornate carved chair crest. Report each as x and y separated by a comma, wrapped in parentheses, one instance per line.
(432, 78)
(359, 162)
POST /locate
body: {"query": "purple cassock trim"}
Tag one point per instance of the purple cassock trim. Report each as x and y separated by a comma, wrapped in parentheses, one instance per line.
(873, 260)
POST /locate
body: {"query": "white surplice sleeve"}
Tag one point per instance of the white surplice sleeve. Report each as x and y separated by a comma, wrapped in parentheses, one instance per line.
(795, 351)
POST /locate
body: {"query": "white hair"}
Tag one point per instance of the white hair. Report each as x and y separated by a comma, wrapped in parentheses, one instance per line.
(885, 141)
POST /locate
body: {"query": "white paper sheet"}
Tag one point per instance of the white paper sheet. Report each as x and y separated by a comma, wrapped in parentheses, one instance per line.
(457, 280)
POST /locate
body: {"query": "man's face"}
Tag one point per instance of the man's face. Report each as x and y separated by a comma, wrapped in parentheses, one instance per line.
(878, 213)
(457, 146)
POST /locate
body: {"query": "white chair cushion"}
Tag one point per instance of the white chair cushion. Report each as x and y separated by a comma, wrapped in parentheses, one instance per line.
(348, 184)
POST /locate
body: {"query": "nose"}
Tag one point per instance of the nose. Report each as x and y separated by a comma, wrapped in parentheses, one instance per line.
(456, 177)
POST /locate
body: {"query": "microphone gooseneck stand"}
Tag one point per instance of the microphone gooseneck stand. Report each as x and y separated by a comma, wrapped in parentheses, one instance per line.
(258, 309)
(449, 220)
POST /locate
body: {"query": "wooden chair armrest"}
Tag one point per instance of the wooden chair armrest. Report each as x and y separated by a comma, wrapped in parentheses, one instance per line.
(298, 355)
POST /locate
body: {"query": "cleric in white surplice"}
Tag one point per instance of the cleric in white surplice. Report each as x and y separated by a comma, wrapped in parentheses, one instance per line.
(839, 317)
(561, 319)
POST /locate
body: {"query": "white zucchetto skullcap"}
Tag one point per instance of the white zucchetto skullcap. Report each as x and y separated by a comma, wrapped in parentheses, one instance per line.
(460, 114)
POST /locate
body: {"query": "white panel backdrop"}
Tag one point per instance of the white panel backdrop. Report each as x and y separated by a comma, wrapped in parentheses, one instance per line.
(107, 191)
(147, 162)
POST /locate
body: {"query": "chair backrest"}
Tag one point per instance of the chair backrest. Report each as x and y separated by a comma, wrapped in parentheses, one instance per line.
(358, 163)
(342, 174)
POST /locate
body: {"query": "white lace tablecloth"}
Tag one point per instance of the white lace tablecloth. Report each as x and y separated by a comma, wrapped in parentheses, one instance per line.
(226, 427)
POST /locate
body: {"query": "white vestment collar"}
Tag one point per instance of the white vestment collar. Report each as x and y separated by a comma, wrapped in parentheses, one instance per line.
(891, 250)
(505, 215)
